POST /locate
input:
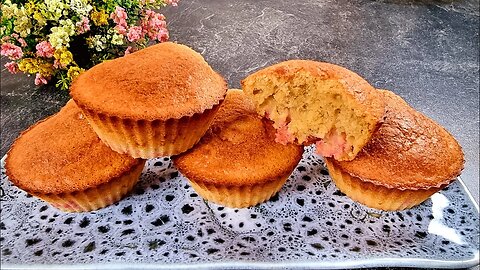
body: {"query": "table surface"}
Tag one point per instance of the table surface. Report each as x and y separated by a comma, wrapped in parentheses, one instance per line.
(425, 51)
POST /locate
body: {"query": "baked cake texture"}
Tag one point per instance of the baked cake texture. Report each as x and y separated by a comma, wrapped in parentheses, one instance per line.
(155, 102)
(238, 163)
(318, 102)
(409, 158)
(62, 161)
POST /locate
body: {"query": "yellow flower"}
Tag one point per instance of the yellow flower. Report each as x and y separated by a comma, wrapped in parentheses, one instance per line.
(45, 68)
(28, 65)
(35, 65)
(63, 55)
(9, 9)
(30, 7)
(60, 35)
(73, 72)
(117, 39)
(54, 9)
(68, 26)
(22, 22)
(99, 17)
(39, 18)
(97, 42)
(81, 7)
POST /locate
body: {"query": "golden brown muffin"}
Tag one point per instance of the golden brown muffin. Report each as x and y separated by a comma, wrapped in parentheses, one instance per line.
(62, 161)
(318, 102)
(238, 163)
(409, 158)
(158, 101)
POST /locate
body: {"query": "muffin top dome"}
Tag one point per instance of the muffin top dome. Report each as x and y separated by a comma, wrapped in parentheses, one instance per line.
(62, 154)
(160, 82)
(239, 148)
(408, 151)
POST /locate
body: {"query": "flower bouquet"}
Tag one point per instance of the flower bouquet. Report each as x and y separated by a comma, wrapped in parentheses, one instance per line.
(58, 39)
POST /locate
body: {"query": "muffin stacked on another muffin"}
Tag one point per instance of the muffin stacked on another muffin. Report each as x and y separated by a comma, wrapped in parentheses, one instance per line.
(155, 102)
(238, 163)
(408, 159)
(318, 102)
(379, 150)
(62, 161)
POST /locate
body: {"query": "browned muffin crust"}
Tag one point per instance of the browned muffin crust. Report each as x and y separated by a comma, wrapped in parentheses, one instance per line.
(238, 149)
(160, 82)
(62, 154)
(354, 84)
(408, 151)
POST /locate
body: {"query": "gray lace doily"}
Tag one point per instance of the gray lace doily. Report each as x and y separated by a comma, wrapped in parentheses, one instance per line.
(309, 222)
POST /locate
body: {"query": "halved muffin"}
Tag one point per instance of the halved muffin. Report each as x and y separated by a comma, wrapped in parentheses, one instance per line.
(158, 101)
(408, 159)
(238, 163)
(62, 161)
(318, 102)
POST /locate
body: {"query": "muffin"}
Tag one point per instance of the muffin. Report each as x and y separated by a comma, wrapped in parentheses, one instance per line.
(238, 163)
(62, 161)
(158, 101)
(409, 158)
(310, 101)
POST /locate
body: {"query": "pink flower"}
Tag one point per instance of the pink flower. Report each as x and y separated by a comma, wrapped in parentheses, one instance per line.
(83, 25)
(154, 26)
(40, 80)
(135, 33)
(119, 16)
(12, 67)
(172, 2)
(162, 35)
(129, 50)
(45, 49)
(57, 64)
(16, 37)
(12, 51)
(22, 42)
(121, 30)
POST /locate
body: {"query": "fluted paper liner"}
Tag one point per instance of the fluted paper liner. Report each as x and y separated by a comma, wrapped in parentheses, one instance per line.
(239, 196)
(376, 196)
(150, 139)
(95, 197)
